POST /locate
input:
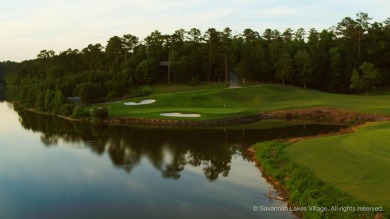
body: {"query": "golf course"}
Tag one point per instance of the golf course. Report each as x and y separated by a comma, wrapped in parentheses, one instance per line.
(216, 103)
(195, 109)
(355, 163)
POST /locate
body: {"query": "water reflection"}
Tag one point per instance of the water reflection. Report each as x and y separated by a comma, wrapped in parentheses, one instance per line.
(168, 150)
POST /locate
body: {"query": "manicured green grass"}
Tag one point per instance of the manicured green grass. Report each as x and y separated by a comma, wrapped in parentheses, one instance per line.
(356, 163)
(173, 88)
(221, 103)
(303, 188)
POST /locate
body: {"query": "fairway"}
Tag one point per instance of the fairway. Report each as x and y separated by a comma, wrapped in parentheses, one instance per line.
(225, 103)
(356, 163)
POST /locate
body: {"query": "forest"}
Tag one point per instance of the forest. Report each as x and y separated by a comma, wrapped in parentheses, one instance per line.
(352, 56)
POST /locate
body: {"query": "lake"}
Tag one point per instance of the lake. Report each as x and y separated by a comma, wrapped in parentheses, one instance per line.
(53, 168)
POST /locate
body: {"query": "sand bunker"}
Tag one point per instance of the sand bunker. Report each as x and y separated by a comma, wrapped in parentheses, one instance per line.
(143, 102)
(180, 115)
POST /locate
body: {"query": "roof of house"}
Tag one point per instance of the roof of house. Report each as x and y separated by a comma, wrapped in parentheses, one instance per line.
(164, 63)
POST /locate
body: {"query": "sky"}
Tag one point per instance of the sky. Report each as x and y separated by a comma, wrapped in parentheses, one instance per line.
(27, 27)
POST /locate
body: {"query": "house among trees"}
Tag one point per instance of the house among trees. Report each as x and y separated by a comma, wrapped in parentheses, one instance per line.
(76, 100)
(163, 68)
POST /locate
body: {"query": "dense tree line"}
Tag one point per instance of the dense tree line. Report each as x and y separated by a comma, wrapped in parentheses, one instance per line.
(351, 56)
(5, 67)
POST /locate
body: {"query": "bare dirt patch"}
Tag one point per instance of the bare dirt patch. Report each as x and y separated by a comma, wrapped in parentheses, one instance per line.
(325, 114)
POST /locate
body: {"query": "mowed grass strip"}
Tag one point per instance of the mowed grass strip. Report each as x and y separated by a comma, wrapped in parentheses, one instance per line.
(223, 103)
(357, 163)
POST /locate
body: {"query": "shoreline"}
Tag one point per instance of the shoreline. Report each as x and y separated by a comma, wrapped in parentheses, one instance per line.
(281, 186)
(316, 114)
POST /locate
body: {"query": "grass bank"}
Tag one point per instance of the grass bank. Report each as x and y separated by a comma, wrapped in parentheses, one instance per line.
(305, 190)
(356, 163)
(219, 103)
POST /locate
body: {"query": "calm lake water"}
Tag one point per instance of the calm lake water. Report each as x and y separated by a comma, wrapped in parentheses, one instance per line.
(52, 168)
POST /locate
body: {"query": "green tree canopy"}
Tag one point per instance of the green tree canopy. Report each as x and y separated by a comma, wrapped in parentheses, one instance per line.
(303, 65)
(366, 79)
(284, 68)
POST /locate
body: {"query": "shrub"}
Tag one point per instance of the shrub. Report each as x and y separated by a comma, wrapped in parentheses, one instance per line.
(112, 94)
(195, 80)
(99, 112)
(79, 113)
(142, 91)
(67, 109)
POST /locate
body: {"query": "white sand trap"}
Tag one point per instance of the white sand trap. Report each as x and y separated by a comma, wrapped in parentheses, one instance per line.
(143, 102)
(180, 115)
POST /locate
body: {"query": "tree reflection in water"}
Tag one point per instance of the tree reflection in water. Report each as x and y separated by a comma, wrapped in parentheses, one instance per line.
(169, 150)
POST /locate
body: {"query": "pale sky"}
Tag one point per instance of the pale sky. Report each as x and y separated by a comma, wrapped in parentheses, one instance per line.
(29, 26)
